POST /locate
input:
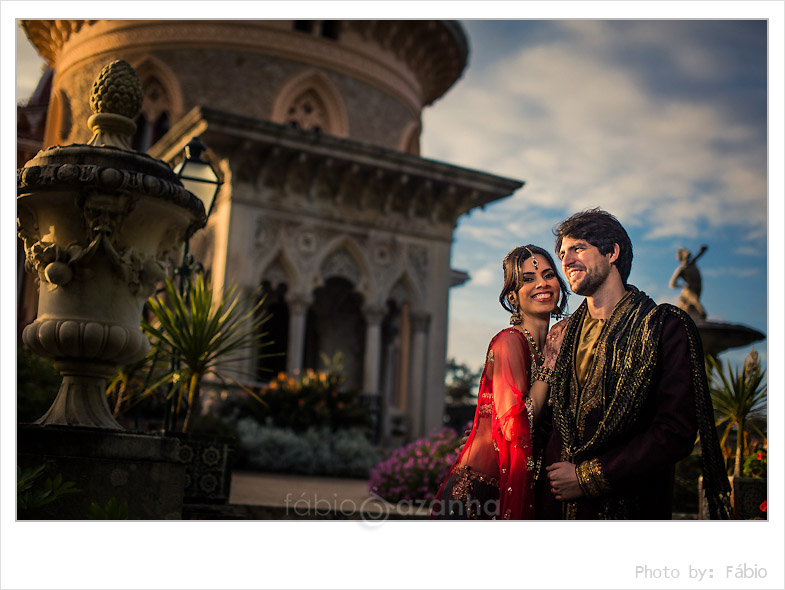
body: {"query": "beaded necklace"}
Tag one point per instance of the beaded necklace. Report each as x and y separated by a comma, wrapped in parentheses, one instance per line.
(539, 355)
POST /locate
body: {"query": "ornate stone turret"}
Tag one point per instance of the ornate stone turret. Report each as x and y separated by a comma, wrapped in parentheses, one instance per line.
(98, 222)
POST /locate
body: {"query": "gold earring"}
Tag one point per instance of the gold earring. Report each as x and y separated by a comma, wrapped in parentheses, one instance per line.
(515, 318)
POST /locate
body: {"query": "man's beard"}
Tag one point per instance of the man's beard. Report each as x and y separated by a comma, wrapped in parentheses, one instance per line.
(591, 281)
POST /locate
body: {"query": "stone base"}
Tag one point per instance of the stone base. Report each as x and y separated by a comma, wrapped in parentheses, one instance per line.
(142, 470)
(207, 461)
(747, 494)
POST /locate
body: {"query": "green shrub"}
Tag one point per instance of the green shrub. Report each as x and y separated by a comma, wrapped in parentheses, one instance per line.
(315, 451)
(31, 493)
(755, 464)
(37, 382)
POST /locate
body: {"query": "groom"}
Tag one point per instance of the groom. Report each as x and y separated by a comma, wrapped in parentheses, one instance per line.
(628, 390)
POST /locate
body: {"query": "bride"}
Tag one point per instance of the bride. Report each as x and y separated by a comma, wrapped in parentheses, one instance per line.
(493, 476)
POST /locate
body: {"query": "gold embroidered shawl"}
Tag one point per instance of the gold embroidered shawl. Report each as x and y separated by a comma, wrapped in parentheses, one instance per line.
(619, 384)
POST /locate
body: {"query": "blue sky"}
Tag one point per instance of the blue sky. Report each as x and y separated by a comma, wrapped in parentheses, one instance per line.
(662, 123)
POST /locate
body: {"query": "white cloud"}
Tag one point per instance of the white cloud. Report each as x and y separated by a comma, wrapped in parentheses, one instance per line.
(736, 272)
(487, 275)
(582, 131)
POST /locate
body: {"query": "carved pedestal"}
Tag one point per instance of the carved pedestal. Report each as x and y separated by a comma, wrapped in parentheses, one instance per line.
(98, 223)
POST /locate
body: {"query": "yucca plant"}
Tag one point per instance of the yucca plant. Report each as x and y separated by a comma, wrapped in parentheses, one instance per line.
(127, 380)
(203, 337)
(740, 399)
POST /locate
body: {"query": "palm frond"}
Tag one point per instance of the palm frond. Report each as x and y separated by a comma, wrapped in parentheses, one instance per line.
(740, 399)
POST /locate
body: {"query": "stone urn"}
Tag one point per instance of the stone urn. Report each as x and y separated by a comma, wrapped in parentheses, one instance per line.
(98, 222)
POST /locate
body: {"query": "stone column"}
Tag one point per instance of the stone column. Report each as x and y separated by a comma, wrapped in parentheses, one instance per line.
(402, 396)
(298, 308)
(373, 346)
(419, 323)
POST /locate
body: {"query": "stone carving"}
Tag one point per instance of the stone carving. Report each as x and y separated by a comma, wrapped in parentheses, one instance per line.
(276, 274)
(98, 222)
(307, 242)
(418, 260)
(341, 264)
(117, 90)
(688, 274)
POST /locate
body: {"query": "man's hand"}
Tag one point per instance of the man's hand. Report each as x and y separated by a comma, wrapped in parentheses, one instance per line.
(564, 481)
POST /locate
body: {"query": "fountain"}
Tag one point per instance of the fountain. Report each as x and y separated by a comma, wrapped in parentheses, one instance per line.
(715, 336)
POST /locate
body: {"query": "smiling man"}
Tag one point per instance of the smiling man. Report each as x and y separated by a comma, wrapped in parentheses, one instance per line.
(628, 390)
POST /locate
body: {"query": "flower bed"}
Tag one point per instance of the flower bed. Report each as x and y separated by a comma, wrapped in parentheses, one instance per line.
(415, 471)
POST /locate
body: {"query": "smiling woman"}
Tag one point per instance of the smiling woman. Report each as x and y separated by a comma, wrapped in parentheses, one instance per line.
(493, 476)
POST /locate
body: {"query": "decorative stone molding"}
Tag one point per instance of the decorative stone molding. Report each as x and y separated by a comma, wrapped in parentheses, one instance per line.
(344, 180)
(298, 302)
(276, 274)
(420, 321)
(415, 61)
(418, 260)
(374, 314)
(114, 344)
(48, 36)
(341, 264)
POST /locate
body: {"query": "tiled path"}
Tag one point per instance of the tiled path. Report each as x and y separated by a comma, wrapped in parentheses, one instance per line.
(272, 495)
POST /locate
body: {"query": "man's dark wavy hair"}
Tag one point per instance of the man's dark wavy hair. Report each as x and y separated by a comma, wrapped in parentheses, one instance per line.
(602, 230)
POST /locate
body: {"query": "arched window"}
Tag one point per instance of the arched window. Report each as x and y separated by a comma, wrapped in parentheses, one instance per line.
(308, 112)
(155, 118)
(328, 29)
(310, 101)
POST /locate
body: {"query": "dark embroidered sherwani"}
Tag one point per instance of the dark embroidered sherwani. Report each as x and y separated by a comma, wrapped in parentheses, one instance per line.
(644, 400)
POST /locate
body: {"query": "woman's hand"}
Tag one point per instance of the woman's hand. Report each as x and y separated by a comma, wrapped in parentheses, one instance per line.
(553, 343)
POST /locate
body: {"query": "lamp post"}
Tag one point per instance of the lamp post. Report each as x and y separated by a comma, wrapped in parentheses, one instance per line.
(199, 178)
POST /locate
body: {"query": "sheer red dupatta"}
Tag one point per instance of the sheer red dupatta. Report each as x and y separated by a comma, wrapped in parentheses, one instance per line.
(510, 422)
(506, 377)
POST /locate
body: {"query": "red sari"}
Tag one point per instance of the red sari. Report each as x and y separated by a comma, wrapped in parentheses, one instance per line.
(499, 447)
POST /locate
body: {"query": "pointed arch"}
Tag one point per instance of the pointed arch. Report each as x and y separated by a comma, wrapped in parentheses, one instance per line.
(162, 105)
(279, 269)
(310, 100)
(406, 290)
(344, 258)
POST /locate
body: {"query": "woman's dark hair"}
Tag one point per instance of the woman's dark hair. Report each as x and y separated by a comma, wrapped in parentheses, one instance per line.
(513, 275)
(602, 230)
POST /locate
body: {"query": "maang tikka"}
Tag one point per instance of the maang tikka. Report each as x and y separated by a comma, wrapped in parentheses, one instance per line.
(535, 264)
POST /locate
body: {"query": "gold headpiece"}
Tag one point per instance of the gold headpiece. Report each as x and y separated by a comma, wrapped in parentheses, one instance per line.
(534, 260)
